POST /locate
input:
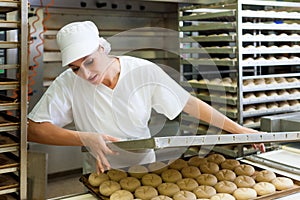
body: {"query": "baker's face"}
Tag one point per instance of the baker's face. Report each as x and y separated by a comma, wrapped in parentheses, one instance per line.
(92, 67)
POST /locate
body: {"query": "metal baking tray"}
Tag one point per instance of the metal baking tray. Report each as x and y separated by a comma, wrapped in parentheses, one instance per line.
(222, 88)
(204, 15)
(8, 84)
(4, 24)
(8, 103)
(218, 62)
(8, 6)
(8, 143)
(271, 111)
(270, 62)
(210, 26)
(267, 38)
(208, 38)
(295, 189)
(8, 45)
(202, 140)
(8, 183)
(270, 99)
(8, 162)
(216, 50)
(266, 87)
(273, 26)
(270, 50)
(229, 101)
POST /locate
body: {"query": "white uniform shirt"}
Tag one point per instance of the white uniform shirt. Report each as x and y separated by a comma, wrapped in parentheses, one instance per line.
(122, 112)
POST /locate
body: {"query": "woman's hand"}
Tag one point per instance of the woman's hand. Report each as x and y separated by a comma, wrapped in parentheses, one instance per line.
(96, 145)
(259, 146)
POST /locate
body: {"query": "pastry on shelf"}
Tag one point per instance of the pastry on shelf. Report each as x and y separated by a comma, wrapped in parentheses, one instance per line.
(284, 104)
(203, 81)
(249, 95)
(250, 108)
(283, 92)
(294, 91)
(262, 106)
(260, 94)
(281, 80)
(272, 93)
(249, 121)
(292, 80)
(248, 82)
(293, 102)
(272, 105)
(259, 81)
(270, 81)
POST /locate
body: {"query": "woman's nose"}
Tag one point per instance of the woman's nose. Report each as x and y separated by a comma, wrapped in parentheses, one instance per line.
(84, 73)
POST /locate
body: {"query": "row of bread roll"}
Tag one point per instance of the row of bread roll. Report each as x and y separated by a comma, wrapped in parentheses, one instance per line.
(252, 120)
(272, 35)
(263, 81)
(271, 58)
(271, 47)
(273, 105)
(227, 81)
(272, 93)
(220, 174)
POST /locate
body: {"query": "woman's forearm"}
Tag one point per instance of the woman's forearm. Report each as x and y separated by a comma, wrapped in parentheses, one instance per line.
(48, 133)
(206, 113)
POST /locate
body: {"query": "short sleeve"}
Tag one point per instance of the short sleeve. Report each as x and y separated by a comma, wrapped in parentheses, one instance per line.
(55, 104)
(168, 98)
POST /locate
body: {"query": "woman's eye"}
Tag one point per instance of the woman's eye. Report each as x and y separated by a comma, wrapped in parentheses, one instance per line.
(75, 69)
(88, 62)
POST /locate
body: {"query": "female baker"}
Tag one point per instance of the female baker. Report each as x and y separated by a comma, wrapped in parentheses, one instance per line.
(109, 98)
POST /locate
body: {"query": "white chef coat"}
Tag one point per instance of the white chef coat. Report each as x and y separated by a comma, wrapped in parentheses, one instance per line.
(122, 112)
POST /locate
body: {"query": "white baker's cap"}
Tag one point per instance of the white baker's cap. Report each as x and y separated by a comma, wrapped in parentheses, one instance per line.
(79, 39)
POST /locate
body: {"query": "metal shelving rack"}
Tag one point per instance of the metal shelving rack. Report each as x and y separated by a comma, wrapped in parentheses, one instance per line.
(13, 99)
(256, 44)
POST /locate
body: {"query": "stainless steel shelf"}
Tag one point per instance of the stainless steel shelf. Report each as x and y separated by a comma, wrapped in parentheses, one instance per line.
(271, 99)
(217, 50)
(209, 38)
(270, 62)
(193, 61)
(266, 87)
(265, 26)
(202, 140)
(217, 99)
(271, 111)
(259, 50)
(222, 88)
(267, 38)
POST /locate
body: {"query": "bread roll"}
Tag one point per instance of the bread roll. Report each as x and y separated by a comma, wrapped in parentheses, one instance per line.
(190, 172)
(109, 187)
(216, 158)
(196, 161)
(230, 164)
(157, 167)
(187, 184)
(145, 192)
(244, 169)
(168, 189)
(282, 183)
(171, 176)
(244, 181)
(153, 180)
(265, 176)
(116, 174)
(177, 164)
(264, 188)
(225, 175)
(259, 81)
(222, 196)
(137, 171)
(244, 193)
(209, 168)
(184, 195)
(206, 179)
(161, 197)
(225, 187)
(130, 183)
(204, 191)
(96, 179)
(121, 195)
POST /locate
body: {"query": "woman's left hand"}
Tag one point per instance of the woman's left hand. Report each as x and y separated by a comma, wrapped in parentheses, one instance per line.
(259, 146)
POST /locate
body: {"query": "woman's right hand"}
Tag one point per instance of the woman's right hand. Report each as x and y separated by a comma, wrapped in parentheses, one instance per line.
(96, 145)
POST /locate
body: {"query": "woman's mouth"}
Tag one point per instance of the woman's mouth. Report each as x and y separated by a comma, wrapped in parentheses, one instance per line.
(93, 79)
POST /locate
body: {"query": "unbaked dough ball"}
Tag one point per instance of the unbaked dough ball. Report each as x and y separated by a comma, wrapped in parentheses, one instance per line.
(282, 183)
(265, 176)
(153, 180)
(244, 193)
(196, 161)
(283, 104)
(130, 183)
(209, 168)
(230, 164)
(96, 179)
(204, 191)
(161, 197)
(190, 172)
(171, 176)
(225, 187)
(177, 164)
(244, 169)
(137, 171)
(121, 195)
(260, 94)
(244, 181)
(184, 195)
(249, 95)
(264, 188)
(206, 179)
(187, 184)
(216, 158)
(168, 189)
(222, 196)
(225, 175)
(145, 192)
(109, 187)
(259, 81)
(157, 167)
(262, 106)
(116, 174)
